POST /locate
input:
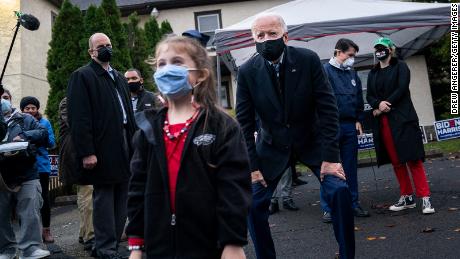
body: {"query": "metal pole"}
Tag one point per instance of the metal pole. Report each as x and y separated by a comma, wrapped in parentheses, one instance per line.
(219, 81)
(9, 51)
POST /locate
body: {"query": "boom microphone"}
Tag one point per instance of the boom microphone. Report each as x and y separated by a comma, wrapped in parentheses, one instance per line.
(29, 21)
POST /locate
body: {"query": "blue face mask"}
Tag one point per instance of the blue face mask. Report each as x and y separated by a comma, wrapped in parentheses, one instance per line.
(172, 81)
(6, 106)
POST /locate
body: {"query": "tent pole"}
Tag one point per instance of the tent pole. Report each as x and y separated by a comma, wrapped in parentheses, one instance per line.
(219, 81)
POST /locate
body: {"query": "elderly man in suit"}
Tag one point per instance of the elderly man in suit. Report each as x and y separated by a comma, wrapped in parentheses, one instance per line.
(287, 90)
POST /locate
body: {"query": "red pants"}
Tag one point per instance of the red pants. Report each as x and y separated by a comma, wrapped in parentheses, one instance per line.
(416, 167)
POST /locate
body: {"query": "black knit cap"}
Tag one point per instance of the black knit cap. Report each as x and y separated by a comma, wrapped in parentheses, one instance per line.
(29, 100)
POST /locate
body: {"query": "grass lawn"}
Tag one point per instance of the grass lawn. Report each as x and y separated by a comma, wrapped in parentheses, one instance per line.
(446, 147)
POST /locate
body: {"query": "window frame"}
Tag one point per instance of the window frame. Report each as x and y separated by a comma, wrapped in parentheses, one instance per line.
(207, 13)
(53, 18)
(225, 87)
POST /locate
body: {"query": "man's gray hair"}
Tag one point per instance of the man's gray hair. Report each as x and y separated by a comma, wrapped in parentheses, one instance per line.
(265, 15)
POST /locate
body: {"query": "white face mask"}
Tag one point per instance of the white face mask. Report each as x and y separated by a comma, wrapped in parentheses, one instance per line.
(349, 62)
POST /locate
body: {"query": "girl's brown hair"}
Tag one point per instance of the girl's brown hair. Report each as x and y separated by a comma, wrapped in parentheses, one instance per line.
(6, 91)
(204, 94)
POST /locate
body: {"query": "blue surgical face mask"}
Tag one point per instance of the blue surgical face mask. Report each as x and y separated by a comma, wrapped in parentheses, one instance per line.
(172, 81)
(6, 106)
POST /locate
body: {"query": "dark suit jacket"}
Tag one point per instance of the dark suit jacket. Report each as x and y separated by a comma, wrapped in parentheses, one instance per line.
(96, 124)
(306, 128)
(147, 100)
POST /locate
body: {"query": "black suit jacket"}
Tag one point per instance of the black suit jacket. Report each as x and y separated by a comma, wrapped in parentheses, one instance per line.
(305, 128)
(147, 100)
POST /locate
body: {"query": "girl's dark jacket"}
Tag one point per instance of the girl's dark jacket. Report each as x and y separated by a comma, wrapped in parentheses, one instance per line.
(213, 191)
(402, 118)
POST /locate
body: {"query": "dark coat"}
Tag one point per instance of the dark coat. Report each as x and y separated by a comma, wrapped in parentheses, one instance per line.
(147, 100)
(3, 127)
(213, 191)
(29, 129)
(307, 125)
(96, 123)
(348, 93)
(67, 155)
(402, 118)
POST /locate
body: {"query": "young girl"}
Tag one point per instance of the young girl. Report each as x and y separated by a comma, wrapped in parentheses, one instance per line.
(397, 135)
(190, 188)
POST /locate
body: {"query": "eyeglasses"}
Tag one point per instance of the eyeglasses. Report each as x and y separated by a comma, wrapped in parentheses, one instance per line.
(98, 47)
(379, 49)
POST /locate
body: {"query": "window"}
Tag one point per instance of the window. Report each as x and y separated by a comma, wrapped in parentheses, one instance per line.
(53, 18)
(207, 22)
(225, 95)
(368, 118)
(363, 76)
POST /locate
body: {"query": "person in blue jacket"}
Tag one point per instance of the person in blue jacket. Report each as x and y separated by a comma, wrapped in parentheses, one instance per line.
(31, 105)
(350, 103)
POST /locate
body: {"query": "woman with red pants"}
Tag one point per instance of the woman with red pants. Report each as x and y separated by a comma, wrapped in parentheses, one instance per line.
(397, 135)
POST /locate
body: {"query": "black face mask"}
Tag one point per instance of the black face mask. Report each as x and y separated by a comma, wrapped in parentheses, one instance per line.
(271, 50)
(382, 54)
(104, 54)
(134, 86)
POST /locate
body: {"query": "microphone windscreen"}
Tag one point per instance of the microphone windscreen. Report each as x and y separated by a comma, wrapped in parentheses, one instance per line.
(29, 22)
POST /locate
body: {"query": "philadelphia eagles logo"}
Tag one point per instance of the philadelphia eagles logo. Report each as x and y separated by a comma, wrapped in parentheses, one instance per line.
(205, 139)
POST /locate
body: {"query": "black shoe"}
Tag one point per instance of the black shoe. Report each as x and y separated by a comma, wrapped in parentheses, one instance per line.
(405, 202)
(359, 212)
(327, 217)
(290, 205)
(298, 182)
(93, 253)
(88, 245)
(274, 207)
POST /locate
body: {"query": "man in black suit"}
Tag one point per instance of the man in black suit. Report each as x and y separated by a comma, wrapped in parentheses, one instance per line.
(140, 98)
(287, 89)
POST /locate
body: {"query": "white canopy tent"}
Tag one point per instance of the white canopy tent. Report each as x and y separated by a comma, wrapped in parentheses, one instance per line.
(318, 24)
